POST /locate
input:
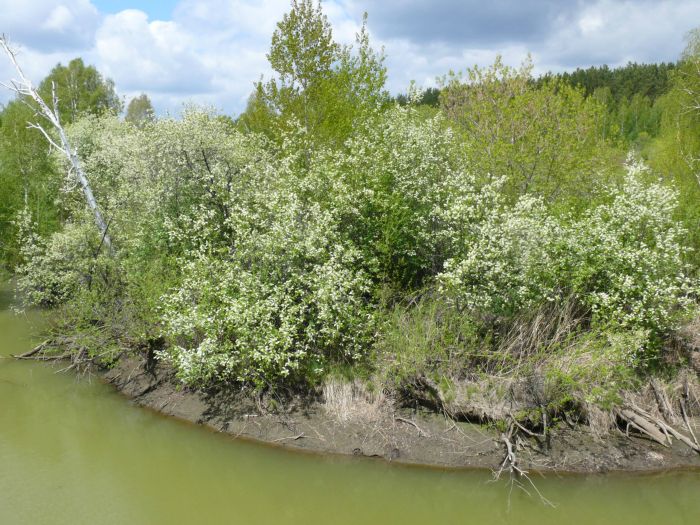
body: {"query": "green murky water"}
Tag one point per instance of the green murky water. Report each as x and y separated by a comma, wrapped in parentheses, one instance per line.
(76, 452)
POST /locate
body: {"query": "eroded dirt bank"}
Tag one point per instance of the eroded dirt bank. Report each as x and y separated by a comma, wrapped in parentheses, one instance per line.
(400, 435)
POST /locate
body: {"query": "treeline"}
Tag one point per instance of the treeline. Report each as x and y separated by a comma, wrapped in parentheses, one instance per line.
(506, 232)
(629, 94)
(626, 82)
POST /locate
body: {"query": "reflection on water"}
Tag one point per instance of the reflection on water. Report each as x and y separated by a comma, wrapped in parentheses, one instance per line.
(73, 451)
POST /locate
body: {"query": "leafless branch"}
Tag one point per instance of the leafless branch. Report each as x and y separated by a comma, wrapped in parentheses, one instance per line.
(24, 88)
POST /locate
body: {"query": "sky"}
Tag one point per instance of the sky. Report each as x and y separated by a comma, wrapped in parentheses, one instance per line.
(213, 51)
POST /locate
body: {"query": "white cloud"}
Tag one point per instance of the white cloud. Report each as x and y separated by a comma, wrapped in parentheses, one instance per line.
(615, 32)
(212, 51)
(50, 26)
(153, 56)
(424, 63)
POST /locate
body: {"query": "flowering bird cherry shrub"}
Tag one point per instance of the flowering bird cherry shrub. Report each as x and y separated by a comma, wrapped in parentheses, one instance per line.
(624, 260)
(260, 262)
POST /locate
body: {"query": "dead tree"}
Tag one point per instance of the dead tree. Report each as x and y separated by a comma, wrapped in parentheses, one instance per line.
(24, 88)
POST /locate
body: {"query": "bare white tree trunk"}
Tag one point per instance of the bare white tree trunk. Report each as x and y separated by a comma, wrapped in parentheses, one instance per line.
(24, 87)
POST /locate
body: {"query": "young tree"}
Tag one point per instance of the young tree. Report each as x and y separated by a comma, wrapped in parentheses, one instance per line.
(320, 85)
(542, 140)
(676, 152)
(140, 110)
(686, 90)
(258, 117)
(27, 179)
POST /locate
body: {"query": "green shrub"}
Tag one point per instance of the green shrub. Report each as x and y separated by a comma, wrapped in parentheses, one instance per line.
(290, 298)
(625, 261)
(56, 268)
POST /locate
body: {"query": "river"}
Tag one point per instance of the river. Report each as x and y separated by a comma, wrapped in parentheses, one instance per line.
(74, 451)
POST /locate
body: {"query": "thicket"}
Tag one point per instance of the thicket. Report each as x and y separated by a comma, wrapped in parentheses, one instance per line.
(329, 228)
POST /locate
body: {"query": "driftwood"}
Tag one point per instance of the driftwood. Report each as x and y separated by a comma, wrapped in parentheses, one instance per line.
(653, 427)
(662, 401)
(413, 424)
(643, 425)
(687, 423)
(38, 348)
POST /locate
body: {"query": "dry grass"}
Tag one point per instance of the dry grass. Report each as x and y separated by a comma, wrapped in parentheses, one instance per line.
(600, 421)
(690, 333)
(350, 401)
(536, 333)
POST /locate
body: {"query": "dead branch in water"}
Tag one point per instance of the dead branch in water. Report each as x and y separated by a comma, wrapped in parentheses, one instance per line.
(38, 348)
(38, 353)
(291, 438)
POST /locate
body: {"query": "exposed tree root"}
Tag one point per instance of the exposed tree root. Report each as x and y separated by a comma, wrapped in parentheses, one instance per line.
(510, 464)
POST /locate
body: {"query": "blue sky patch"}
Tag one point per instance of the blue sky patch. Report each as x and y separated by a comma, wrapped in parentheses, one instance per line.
(156, 9)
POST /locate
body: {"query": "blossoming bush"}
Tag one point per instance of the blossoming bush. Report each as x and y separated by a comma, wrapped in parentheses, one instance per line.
(628, 259)
(402, 193)
(514, 262)
(259, 263)
(288, 299)
(625, 261)
(54, 269)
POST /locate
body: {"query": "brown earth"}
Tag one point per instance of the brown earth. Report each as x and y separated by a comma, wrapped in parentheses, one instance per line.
(413, 436)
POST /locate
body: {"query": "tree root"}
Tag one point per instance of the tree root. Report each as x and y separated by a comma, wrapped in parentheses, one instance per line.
(510, 464)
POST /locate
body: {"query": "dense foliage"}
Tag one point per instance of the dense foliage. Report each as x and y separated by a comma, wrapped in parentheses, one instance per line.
(326, 222)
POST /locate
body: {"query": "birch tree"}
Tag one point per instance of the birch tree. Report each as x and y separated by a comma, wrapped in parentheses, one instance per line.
(23, 87)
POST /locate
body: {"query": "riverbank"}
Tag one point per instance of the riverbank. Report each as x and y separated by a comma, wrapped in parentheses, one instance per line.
(350, 426)
(92, 454)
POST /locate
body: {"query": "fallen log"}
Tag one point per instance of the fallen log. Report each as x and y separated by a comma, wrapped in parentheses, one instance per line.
(681, 437)
(642, 424)
(38, 348)
(653, 427)
(662, 401)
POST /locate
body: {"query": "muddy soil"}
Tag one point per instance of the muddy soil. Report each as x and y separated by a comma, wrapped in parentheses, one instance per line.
(412, 436)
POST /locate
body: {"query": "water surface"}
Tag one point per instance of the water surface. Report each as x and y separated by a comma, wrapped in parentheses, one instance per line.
(74, 451)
